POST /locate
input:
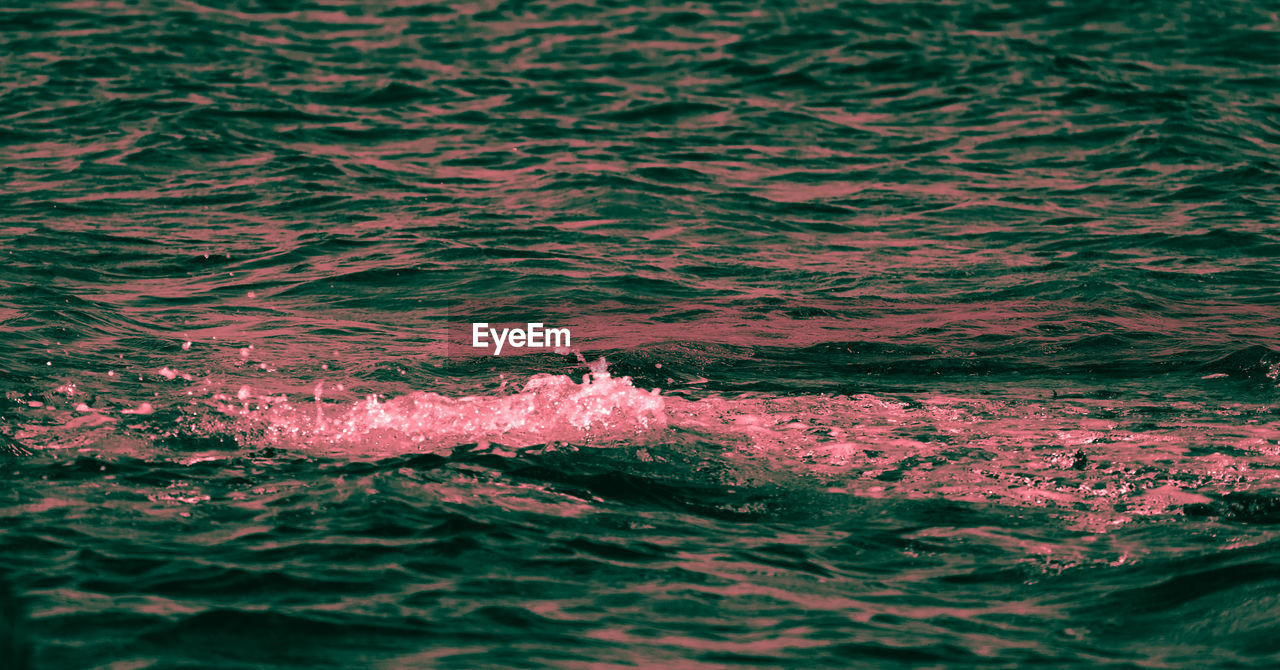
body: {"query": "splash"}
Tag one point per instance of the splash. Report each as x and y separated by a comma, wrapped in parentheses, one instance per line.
(1106, 457)
(548, 409)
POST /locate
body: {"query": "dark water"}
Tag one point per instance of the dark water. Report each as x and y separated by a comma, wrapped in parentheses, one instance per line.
(963, 320)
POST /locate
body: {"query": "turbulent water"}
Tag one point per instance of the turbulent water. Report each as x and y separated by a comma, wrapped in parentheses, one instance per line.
(904, 334)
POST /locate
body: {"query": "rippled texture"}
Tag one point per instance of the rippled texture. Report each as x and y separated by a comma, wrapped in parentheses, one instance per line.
(938, 334)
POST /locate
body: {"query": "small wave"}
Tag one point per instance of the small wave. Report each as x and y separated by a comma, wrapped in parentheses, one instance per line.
(1097, 457)
(1256, 363)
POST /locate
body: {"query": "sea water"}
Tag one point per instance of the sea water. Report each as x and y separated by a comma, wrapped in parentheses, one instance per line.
(903, 334)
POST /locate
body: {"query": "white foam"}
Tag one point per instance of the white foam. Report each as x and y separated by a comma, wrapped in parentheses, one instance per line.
(548, 409)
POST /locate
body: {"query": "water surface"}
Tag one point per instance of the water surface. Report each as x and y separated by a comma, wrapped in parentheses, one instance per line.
(934, 334)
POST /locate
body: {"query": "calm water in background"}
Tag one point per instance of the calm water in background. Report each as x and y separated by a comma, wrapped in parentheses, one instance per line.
(963, 319)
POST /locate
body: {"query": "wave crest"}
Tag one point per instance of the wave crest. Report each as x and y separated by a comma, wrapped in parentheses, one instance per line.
(548, 409)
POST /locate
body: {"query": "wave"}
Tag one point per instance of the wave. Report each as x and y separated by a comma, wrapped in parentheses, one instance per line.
(1256, 363)
(1099, 458)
